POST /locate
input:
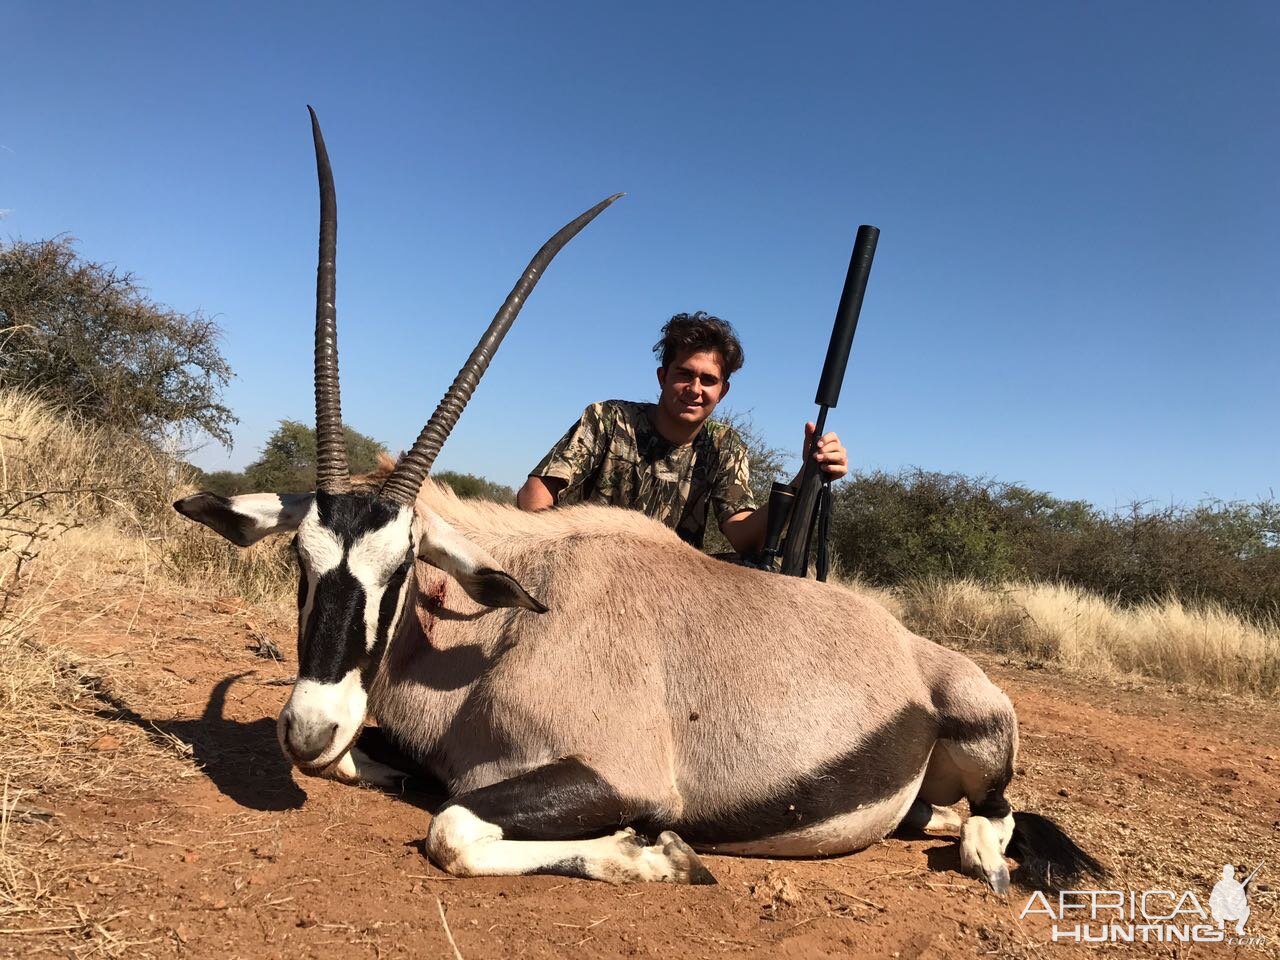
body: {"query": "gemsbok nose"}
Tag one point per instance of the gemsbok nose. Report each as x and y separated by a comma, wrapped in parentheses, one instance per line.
(307, 738)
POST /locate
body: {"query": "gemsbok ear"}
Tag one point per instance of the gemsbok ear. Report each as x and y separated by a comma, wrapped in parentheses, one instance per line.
(477, 573)
(248, 518)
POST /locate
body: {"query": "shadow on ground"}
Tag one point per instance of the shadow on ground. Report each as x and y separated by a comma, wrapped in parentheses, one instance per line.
(244, 761)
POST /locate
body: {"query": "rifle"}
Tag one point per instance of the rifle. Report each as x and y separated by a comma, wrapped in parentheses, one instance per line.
(807, 505)
(1249, 879)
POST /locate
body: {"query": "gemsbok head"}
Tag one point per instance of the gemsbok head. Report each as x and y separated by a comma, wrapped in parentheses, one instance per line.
(356, 544)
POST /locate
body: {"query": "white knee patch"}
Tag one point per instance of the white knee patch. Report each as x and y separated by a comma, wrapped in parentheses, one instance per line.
(454, 834)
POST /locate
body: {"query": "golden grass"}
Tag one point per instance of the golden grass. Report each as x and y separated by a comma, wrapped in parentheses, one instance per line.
(108, 496)
(84, 516)
(1201, 646)
(60, 743)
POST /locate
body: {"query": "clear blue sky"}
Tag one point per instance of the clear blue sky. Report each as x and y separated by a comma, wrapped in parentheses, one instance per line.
(1077, 285)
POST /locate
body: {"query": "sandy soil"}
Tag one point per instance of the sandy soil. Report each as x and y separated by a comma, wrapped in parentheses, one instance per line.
(246, 859)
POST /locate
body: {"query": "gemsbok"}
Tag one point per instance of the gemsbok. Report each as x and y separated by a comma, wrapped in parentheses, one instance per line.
(600, 698)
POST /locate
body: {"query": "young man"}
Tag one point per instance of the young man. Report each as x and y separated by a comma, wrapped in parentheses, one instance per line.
(668, 459)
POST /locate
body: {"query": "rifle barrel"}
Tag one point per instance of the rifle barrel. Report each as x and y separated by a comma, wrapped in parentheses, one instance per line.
(855, 288)
(1249, 879)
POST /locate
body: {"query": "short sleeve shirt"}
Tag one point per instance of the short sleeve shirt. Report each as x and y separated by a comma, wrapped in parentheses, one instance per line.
(615, 455)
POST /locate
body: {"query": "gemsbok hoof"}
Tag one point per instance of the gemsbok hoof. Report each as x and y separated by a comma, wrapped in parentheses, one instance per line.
(687, 866)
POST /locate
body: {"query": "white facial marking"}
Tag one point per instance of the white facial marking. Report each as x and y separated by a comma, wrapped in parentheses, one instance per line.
(320, 705)
(372, 559)
(319, 547)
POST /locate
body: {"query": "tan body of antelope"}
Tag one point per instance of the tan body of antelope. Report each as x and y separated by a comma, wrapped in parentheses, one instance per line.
(649, 700)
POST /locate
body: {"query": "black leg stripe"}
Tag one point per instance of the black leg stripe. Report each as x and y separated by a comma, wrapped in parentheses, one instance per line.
(565, 800)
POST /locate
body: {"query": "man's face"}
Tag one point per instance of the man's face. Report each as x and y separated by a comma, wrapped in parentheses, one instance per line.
(692, 386)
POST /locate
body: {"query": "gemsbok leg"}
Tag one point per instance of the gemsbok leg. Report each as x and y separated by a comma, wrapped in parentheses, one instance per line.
(537, 822)
(974, 760)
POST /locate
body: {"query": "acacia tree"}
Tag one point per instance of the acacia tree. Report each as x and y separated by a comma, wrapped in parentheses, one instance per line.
(288, 460)
(87, 338)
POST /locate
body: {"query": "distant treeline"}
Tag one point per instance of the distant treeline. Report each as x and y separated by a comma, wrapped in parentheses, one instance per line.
(288, 462)
(895, 528)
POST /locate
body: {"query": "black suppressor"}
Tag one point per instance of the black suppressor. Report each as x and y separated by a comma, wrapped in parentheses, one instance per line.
(812, 493)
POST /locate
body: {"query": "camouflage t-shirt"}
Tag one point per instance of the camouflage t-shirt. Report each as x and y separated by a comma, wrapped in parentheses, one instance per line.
(615, 455)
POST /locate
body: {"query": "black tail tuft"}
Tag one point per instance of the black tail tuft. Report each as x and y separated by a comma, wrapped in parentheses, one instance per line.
(1047, 857)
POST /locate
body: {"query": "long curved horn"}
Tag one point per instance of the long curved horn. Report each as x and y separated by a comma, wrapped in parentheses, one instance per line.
(332, 475)
(403, 485)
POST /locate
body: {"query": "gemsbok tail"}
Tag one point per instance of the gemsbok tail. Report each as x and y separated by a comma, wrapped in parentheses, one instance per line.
(1047, 857)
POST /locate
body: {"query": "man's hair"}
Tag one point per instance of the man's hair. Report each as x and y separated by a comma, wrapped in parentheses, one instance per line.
(687, 333)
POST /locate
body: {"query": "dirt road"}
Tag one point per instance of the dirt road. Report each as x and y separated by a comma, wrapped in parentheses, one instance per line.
(245, 859)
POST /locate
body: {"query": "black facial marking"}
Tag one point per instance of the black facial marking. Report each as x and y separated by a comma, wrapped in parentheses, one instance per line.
(335, 635)
(885, 762)
(302, 575)
(391, 597)
(334, 638)
(351, 514)
(386, 613)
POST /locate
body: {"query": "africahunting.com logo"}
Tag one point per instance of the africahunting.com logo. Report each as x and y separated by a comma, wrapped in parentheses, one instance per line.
(1150, 916)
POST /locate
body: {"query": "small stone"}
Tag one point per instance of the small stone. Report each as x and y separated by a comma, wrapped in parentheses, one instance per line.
(1062, 792)
(191, 857)
(694, 715)
(105, 744)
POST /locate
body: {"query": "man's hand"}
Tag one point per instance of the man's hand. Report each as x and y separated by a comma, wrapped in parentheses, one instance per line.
(832, 458)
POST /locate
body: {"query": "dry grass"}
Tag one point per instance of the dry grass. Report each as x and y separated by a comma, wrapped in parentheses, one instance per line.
(194, 556)
(60, 744)
(108, 496)
(1203, 646)
(888, 598)
(83, 513)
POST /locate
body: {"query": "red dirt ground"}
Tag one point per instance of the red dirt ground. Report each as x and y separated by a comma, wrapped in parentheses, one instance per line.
(247, 859)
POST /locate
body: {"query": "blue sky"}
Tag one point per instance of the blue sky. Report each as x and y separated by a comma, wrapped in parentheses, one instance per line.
(1076, 286)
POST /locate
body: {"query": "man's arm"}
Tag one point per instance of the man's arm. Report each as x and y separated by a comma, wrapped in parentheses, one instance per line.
(539, 493)
(571, 461)
(745, 531)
